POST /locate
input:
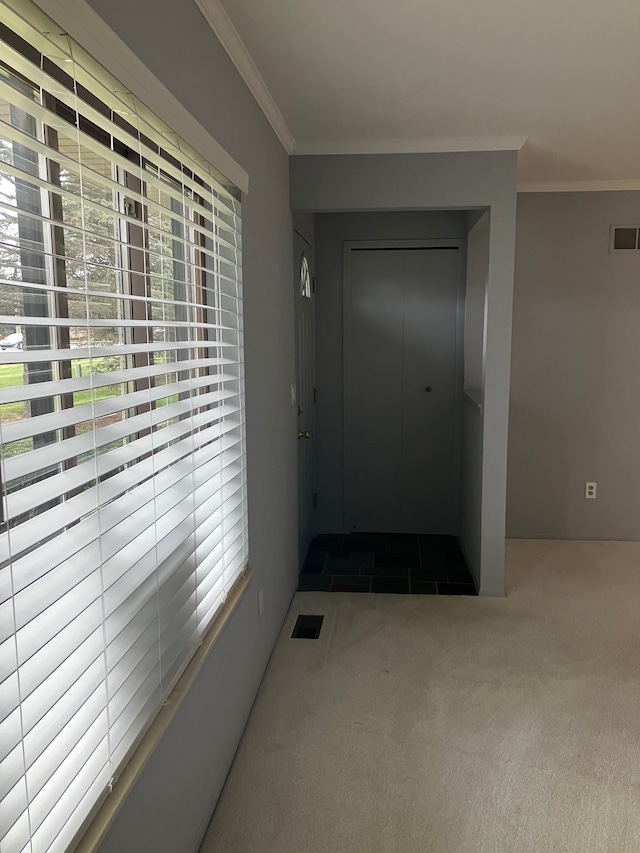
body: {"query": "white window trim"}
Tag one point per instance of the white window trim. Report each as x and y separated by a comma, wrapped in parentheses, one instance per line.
(84, 25)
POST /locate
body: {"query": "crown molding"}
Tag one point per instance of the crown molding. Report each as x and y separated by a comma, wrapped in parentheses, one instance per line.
(435, 145)
(229, 38)
(578, 186)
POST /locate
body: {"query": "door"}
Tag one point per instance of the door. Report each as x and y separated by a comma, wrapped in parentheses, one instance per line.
(305, 388)
(402, 385)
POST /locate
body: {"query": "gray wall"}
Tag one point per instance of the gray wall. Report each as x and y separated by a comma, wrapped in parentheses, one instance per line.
(575, 385)
(340, 183)
(172, 802)
(474, 300)
(471, 486)
(478, 253)
(331, 232)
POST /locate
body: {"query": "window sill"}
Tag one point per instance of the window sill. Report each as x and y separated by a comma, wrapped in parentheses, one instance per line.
(106, 814)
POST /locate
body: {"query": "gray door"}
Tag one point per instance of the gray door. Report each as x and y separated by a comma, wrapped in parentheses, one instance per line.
(305, 388)
(401, 387)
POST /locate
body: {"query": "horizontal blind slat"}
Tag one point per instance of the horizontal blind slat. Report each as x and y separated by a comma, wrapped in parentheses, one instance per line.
(49, 118)
(14, 134)
(33, 461)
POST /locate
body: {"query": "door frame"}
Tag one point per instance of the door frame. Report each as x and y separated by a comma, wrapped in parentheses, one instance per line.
(459, 243)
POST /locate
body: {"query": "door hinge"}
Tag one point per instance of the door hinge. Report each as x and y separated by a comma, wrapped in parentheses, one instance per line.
(315, 396)
(313, 284)
(315, 500)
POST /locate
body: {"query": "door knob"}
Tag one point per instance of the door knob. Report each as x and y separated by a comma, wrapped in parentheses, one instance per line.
(304, 433)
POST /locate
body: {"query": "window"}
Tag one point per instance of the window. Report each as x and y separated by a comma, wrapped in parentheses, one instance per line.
(122, 471)
(305, 277)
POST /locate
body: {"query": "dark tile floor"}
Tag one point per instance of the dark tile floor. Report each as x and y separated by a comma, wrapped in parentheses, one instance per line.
(386, 562)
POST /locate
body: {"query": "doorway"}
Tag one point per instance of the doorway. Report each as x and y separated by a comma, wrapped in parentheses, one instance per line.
(403, 306)
(305, 392)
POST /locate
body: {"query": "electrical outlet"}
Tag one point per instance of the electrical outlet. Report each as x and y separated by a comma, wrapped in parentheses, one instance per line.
(590, 491)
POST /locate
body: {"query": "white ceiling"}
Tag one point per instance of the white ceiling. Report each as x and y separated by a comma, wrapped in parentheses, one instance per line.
(419, 75)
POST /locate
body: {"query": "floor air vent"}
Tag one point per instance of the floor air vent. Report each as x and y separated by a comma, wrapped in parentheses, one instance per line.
(307, 627)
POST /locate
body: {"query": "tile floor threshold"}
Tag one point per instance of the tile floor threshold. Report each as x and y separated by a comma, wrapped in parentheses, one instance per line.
(407, 564)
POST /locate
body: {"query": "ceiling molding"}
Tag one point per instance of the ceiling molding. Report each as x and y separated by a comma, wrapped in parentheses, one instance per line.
(443, 145)
(230, 40)
(578, 186)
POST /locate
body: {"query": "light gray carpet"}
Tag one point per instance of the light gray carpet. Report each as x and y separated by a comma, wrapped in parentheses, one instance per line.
(452, 725)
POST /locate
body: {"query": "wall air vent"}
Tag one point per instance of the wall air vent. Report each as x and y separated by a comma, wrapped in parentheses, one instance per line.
(624, 238)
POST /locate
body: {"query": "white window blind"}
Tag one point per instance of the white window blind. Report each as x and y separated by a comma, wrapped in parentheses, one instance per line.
(123, 479)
